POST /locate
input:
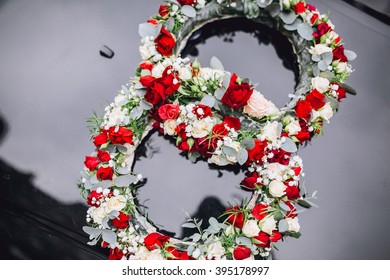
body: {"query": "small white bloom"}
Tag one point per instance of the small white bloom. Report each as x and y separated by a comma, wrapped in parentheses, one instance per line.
(270, 131)
(293, 127)
(251, 228)
(277, 189)
(293, 224)
(320, 84)
(268, 224)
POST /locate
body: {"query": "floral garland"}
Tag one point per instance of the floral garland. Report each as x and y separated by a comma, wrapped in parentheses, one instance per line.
(221, 117)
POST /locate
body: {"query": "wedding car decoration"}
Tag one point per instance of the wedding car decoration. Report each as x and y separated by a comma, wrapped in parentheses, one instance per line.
(219, 116)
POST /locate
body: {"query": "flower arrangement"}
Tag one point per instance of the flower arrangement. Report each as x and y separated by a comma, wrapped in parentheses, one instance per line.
(219, 116)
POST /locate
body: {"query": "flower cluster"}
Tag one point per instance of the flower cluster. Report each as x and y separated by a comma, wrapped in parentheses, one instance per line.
(218, 116)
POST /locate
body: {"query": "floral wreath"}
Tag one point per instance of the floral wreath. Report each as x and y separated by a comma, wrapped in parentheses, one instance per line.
(221, 117)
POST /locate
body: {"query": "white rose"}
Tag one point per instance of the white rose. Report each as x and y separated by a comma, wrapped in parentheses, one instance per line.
(293, 224)
(343, 67)
(268, 224)
(158, 70)
(326, 112)
(270, 131)
(293, 127)
(201, 128)
(169, 127)
(276, 169)
(185, 73)
(320, 84)
(98, 214)
(216, 250)
(320, 49)
(144, 254)
(251, 228)
(258, 106)
(147, 51)
(116, 203)
(277, 189)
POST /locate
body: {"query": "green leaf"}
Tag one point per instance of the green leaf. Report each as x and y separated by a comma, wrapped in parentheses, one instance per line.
(188, 11)
(195, 237)
(229, 151)
(348, 88)
(170, 24)
(214, 223)
(288, 17)
(294, 25)
(136, 113)
(289, 146)
(216, 64)
(248, 143)
(304, 203)
(350, 55)
(242, 156)
(109, 236)
(193, 156)
(327, 75)
(305, 31)
(283, 225)
(125, 180)
(188, 225)
(145, 105)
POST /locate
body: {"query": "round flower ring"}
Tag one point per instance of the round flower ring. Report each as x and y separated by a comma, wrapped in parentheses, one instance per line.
(219, 116)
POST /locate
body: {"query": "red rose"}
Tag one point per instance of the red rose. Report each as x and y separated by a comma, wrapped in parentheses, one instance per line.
(236, 216)
(280, 156)
(341, 93)
(147, 80)
(100, 139)
(202, 111)
(237, 95)
(260, 211)
(186, 2)
(219, 130)
(105, 173)
(311, 8)
(262, 240)
(165, 42)
(315, 98)
(169, 111)
(250, 182)
(163, 10)
(304, 134)
(115, 254)
(292, 192)
(177, 255)
(299, 8)
(93, 197)
(103, 156)
(303, 109)
(91, 163)
(152, 21)
(241, 252)
(258, 151)
(158, 89)
(147, 65)
(181, 131)
(297, 170)
(290, 214)
(120, 136)
(122, 221)
(338, 54)
(322, 28)
(232, 122)
(154, 240)
(314, 19)
(276, 236)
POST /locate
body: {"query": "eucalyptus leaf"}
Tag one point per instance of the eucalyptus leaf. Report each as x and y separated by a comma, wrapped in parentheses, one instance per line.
(284, 207)
(226, 80)
(190, 249)
(122, 149)
(229, 151)
(305, 30)
(316, 57)
(214, 222)
(350, 55)
(248, 143)
(279, 129)
(94, 180)
(208, 100)
(138, 86)
(125, 180)
(113, 214)
(294, 25)
(327, 57)
(216, 64)
(348, 88)
(289, 146)
(316, 71)
(188, 225)
(84, 174)
(304, 203)
(193, 156)
(196, 237)
(219, 93)
(93, 242)
(125, 90)
(327, 75)
(102, 184)
(109, 236)
(92, 231)
(322, 65)
(87, 185)
(263, 3)
(122, 170)
(170, 24)
(188, 11)
(288, 17)
(244, 241)
(242, 156)
(105, 222)
(136, 113)
(145, 105)
(273, 9)
(148, 29)
(140, 92)
(283, 225)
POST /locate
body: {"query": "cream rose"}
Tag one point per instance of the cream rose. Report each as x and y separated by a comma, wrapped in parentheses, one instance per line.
(169, 127)
(144, 254)
(251, 228)
(320, 84)
(293, 127)
(258, 106)
(268, 224)
(293, 224)
(325, 113)
(270, 131)
(320, 49)
(116, 203)
(201, 128)
(277, 189)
